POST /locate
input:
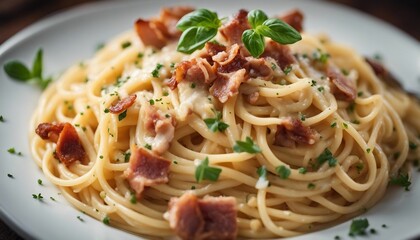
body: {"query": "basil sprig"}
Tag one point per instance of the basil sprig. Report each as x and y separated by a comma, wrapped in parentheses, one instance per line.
(262, 26)
(198, 28)
(19, 71)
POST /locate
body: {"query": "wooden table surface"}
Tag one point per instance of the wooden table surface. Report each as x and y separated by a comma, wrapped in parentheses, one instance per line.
(18, 14)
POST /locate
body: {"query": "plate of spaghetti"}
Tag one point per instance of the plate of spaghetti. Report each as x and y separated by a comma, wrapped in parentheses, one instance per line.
(210, 121)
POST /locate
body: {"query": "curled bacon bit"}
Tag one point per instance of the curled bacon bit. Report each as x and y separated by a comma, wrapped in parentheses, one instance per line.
(123, 104)
(157, 32)
(227, 85)
(233, 30)
(146, 169)
(49, 131)
(292, 131)
(294, 18)
(160, 126)
(69, 148)
(343, 88)
(208, 218)
(230, 60)
(281, 53)
(383, 73)
(197, 70)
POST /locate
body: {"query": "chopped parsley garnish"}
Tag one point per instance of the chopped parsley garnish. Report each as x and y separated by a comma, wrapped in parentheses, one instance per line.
(313, 83)
(106, 110)
(359, 167)
(351, 107)
(412, 145)
(384, 226)
(345, 72)
(373, 231)
(1, 118)
(287, 70)
(127, 156)
(262, 174)
(368, 150)
(203, 171)
(303, 170)
(13, 151)
(247, 146)
(19, 71)
(302, 117)
(39, 181)
(99, 46)
(37, 196)
(215, 124)
(80, 218)
(152, 102)
(193, 85)
(133, 198)
(125, 44)
(358, 227)
(311, 186)
(106, 220)
(360, 93)
(401, 180)
(10, 175)
(345, 125)
(326, 156)
(52, 198)
(283, 171)
(321, 89)
(320, 56)
(148, 146)
(155, 72)
(333, 125)
(122, 115)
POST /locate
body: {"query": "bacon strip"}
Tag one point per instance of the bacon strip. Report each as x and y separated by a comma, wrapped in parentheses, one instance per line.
(281, 53)
(146, 169)
(383, 73)
(343, 88)
(197, 70)
(227, 85)
(232, 31)
(294, 18)
(159, 126)
(69, 148)
(292, 131)
(123, 104)
(208, 218)
(159, 31)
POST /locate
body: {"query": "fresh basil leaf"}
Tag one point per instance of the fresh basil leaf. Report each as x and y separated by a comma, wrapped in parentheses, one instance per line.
(37, 65)
(279, 31)
(254, 42)
(17, 70)
(247, 146)
(256, 18)
(195, 38)
(199, 18)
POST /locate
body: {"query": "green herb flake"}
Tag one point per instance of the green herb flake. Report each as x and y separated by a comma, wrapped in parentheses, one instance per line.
(373, 231)
(384, 226)
(152, 102)
(37, 196)
(412, 145)
(262, 172)
(106, 110)
(53, 199)
(321, 89)
(125, 45)
(287, 70)
(11, 150)
(345, 125)
(358, 227)
(192, 187)
(333, 125)
(368, 150)
(193, 85)
(321, 57)
(1, 118)
(127, 156)
(122, 115)
(106, 220)
(345, 72)
(203, 171)
(337, 237)
(10, 175)
(313, 83)
(359, 167)
(246, 146)
(302, 170)
(133, 198)
(326, 156)
(155, 72)
(216, 124)
(311, 186)
(360, 93)
(80, 218)
(283, 171)
(39, 181)
(351, 107)
(148, 146)
(401, 180)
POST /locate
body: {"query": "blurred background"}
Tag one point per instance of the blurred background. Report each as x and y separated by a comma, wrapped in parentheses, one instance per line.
(18, 14)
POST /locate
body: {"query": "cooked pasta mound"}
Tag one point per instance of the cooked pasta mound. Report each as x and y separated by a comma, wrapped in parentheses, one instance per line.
(218, 144)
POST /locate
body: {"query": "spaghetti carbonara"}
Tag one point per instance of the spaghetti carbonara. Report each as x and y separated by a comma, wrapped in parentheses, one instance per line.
(148, 139)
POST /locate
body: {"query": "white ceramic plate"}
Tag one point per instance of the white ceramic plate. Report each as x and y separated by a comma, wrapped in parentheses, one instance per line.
(73, 35)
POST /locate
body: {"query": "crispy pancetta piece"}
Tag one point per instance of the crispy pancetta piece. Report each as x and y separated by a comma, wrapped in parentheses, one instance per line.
(146, 169)
(197, 70)
(69, 148)
(208, 218)
(232, 31)
(160, 126)
(227, 85)
(342, 87)
(159, 31)
(123, 104)
(294, 18)
(383, 73)
(292, 131)
(280, 53)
